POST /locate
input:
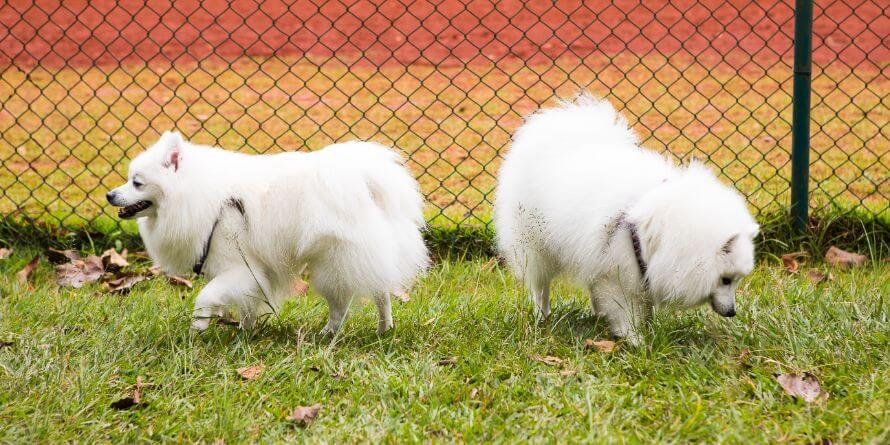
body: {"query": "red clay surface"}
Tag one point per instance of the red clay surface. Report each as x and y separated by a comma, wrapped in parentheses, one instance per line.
(447, 32)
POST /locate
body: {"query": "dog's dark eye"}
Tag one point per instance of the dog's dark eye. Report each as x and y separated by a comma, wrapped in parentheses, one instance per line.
(726, 281)
(137, 184)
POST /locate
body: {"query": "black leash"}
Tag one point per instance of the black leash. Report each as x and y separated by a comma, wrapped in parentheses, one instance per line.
(238, 205)
(199, 266)
(637, 246)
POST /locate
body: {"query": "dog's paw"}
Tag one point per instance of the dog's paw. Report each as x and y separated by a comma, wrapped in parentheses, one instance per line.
(634, 339)
(200, 324)
(383, 327)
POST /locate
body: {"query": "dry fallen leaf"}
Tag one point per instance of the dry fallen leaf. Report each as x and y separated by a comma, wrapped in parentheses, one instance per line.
(817, 276)
(601, 345)
(841, 258)
(491, 263)
(447, 361)
(61, 256)
(112, 260)
(5, 253)
(304, 415)
(80, 272)
(789, 260)
(176, 280)
(301, 287)
(547, 360)
(805, 386)
(137, 390)
(135, 400)
(251, 372)
(25, 272)
(124, 283)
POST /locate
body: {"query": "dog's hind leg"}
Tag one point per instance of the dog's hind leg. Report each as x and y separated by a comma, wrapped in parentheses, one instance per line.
(223, 290)
(337, 310)
(384, 310)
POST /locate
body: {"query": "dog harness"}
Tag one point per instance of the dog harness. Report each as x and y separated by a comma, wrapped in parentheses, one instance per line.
(637, 246)
(235, 203)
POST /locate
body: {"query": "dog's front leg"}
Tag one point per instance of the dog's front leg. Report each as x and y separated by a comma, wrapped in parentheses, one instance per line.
(224, 289)
(625, 310)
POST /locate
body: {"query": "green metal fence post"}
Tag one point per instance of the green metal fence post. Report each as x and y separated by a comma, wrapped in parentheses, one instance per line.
(800, 120)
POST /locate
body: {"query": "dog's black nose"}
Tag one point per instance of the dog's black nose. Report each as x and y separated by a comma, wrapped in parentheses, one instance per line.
(730, 313)
(110, 196)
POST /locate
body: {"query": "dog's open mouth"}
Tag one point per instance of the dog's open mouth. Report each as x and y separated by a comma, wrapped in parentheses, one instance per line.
(131, 210)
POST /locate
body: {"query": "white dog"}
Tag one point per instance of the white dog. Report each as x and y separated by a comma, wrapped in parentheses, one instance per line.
(577, 195)
(351, 213)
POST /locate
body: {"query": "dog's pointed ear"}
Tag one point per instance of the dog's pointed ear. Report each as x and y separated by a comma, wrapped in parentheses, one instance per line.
(727, 246)
(172, 142)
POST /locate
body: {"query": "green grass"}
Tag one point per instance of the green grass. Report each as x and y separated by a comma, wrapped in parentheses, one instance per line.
(74, 352)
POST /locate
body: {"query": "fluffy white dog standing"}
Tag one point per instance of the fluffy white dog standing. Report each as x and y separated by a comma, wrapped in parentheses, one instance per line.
(577, 195)
(351, 213)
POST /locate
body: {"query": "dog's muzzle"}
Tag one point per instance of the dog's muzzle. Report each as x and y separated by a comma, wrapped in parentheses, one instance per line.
(723, 311)
(127, 212)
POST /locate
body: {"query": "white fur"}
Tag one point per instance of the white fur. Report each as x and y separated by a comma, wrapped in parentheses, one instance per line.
(351, 213)
(570, 173)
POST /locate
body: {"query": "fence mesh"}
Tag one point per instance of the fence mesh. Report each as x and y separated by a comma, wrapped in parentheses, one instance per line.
(85, 86)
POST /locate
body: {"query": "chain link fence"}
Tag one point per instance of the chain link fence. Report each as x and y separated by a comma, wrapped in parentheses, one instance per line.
(85, 86)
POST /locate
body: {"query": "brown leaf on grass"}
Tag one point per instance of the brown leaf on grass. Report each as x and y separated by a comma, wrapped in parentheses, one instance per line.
(816, 276)
(547, 360)
(137, 390)
(601, 345)
(176, 280)
(5, 253)
(805, 386)
(124, 283)
(490, 264)
(841, 258)
(789, 260)
(134, 401)
(140, 255)
(402, 296)
(300, 287)
(447, 361)
(112, 260)
(25, 272)
(77, 273)
(251, 372)
(56, 256)
(304, 415)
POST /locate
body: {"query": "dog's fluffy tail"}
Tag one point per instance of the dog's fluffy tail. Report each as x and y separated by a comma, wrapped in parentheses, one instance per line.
(396, 193)
(586, 118)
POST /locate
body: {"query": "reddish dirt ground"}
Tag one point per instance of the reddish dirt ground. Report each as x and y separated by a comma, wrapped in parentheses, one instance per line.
(446, 32)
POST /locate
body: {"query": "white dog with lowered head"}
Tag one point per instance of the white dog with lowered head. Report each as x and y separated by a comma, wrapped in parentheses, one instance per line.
(351, 213)
(577, 195)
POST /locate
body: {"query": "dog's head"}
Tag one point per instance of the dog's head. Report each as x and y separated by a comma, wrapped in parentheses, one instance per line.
(148, 178)
(698, 236)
